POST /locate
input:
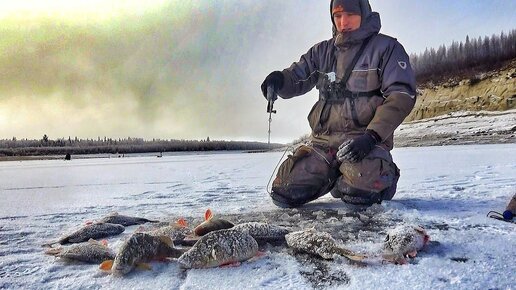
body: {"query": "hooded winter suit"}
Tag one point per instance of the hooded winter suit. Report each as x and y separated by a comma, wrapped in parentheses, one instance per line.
(365, 82)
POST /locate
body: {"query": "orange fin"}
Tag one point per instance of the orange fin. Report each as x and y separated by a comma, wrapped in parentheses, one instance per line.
(208, 214)
(106, 265)
(182, 223)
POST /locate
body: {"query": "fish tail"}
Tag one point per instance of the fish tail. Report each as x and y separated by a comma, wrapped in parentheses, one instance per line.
(394, 259)
(351, 255)
(53, 251)
(49, 244)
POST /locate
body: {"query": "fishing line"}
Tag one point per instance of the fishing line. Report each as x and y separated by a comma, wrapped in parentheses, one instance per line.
(275, 168)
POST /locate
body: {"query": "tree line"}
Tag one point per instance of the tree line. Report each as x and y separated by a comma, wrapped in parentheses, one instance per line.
(62, 146)
(461, 58)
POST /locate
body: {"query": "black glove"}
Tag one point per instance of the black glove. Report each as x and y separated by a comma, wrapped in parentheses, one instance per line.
(276, 79)
(356, 149)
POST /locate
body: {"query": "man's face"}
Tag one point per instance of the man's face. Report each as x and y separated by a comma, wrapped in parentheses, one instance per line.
(346, 22)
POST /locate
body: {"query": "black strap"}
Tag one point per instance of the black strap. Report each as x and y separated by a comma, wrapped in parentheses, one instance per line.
(325, 112)
(344, 95)
(350, 68)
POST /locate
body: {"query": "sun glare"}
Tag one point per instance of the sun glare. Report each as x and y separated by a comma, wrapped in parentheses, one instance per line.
(73, 10)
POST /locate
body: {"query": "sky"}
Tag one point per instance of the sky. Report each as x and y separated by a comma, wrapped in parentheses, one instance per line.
(206, 81)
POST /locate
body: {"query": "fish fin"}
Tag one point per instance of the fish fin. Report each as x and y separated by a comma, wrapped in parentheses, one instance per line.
(182, 223)
(260, 254)
(49, 244)
(53, 251)
(106, 265)
(167, 240)
(208, 214)
(257, 256)
(144, 266)
(95, 242)
(230, 264)
(140, 229)
(394, 259)
(88, 223)
(351, 255)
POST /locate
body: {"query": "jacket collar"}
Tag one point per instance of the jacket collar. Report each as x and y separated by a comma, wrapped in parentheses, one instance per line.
(370, 26)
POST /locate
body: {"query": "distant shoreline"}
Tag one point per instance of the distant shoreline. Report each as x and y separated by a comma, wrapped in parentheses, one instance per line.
(128, 155)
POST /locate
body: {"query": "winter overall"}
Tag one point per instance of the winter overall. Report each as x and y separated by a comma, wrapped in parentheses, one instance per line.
(365, 82)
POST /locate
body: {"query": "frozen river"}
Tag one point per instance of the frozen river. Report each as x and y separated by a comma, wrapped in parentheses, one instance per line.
(453, 186)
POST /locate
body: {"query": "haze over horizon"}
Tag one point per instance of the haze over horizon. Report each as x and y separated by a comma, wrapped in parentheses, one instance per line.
(171, 69)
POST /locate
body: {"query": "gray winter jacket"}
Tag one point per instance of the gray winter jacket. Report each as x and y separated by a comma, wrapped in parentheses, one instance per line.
(383, 67)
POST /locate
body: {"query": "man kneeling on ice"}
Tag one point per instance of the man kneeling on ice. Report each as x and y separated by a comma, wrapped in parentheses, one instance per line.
(366, 89)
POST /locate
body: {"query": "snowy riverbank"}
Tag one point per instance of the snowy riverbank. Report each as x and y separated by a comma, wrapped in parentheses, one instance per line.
(459, 128)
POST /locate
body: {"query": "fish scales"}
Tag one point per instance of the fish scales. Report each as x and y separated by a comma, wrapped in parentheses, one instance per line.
(171, 231)
(90, 252)
(93, 231)
(404, 240)
(319, 243)
(219, 248)
(124, 220)
(212, 224)
(262, 231)
(142, 248)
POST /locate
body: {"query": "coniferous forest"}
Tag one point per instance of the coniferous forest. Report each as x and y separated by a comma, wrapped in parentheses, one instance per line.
(464, 58)
(62, 146)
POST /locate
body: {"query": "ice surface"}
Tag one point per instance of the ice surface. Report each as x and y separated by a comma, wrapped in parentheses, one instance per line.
(448, 190)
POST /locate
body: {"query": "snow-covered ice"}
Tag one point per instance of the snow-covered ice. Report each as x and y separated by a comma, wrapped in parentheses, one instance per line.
(448, 190)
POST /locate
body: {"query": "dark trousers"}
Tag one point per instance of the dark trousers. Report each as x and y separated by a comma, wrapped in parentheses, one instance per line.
(311, 172)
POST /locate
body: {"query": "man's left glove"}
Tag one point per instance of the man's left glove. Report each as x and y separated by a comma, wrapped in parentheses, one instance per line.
(356, 149)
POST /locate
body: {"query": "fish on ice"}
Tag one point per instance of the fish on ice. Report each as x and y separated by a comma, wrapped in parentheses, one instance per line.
(321, 244)
(176, 231)
(116, 218)
(404, 241)
(219, 248)
(90, 231)
(263, 232)
(211, 223)
(92, 251)
(138, 250)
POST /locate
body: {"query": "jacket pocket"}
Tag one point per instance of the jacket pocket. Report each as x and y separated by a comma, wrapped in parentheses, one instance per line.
(363, 109)
(314, 117)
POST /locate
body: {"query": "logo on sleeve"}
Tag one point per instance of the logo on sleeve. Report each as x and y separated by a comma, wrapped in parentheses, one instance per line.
(402, 64)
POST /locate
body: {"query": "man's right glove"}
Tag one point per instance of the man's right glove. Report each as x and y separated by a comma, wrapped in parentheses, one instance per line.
(356, 149)
(274, 79)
